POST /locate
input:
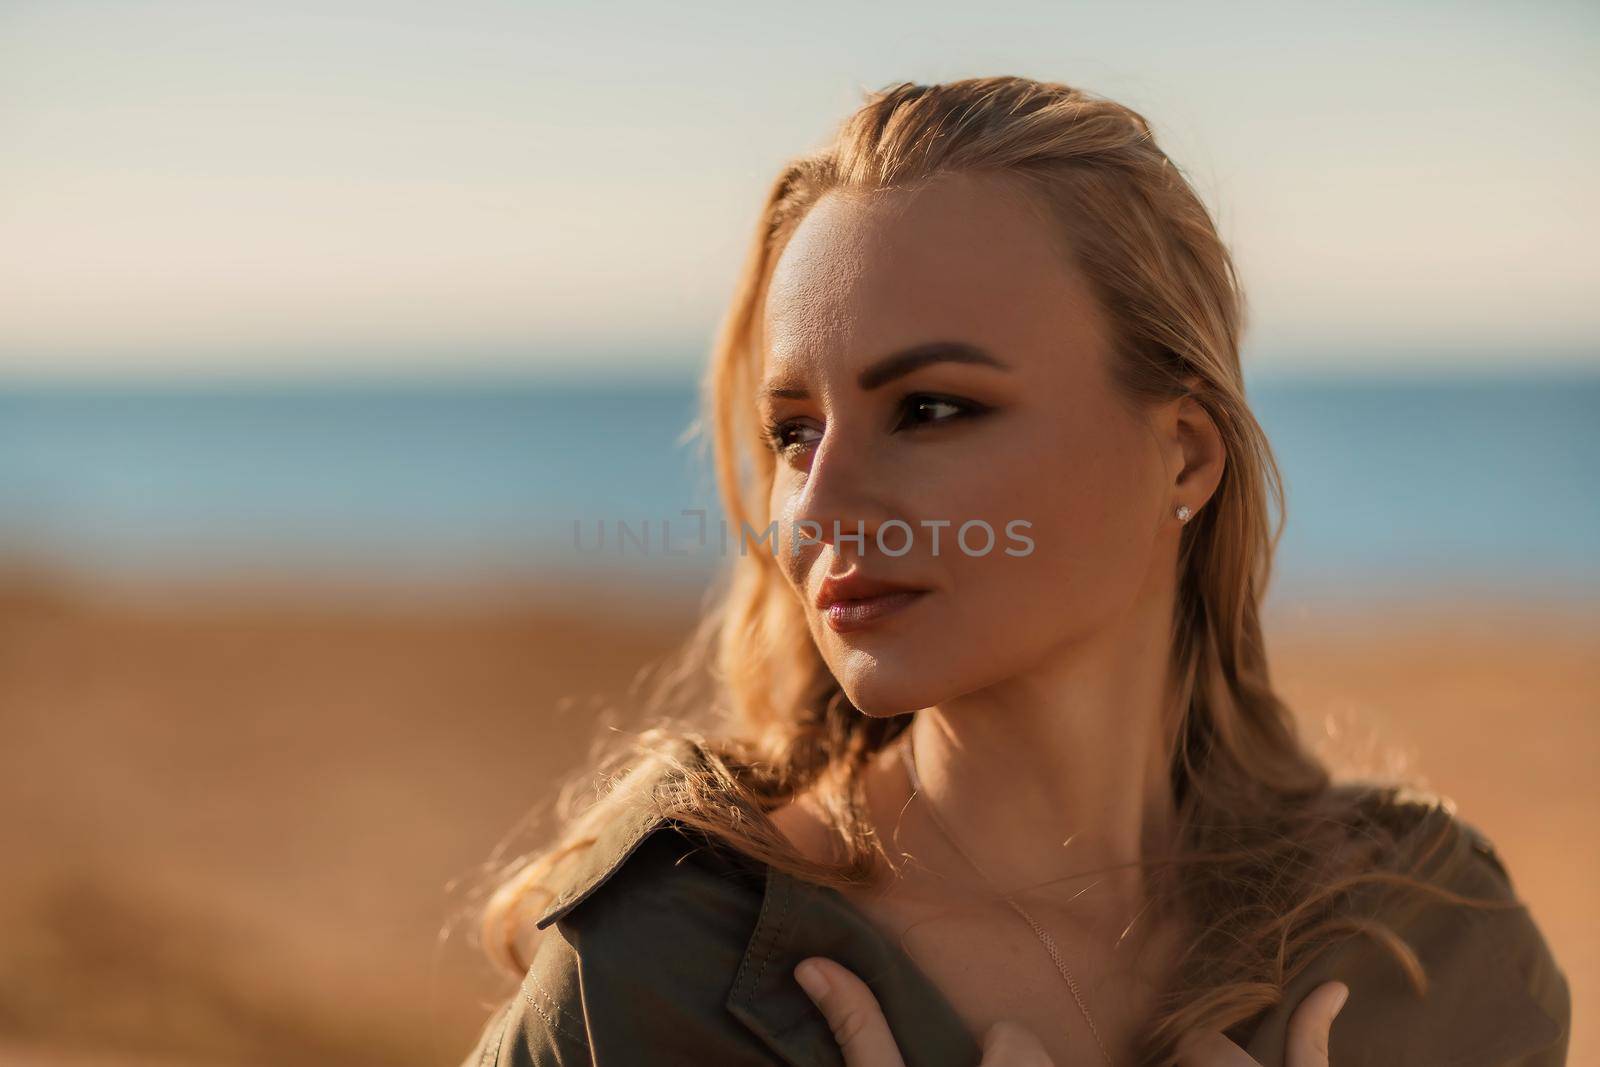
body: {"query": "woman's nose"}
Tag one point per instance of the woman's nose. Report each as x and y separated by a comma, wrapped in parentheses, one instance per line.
(842, 503)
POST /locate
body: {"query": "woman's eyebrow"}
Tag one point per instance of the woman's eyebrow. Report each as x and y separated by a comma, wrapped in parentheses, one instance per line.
(902, 363)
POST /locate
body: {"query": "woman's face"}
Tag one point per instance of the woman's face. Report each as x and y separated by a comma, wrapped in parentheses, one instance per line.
(1020, 431)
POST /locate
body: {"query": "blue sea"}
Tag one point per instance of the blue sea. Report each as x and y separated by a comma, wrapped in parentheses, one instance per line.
(1393, 486)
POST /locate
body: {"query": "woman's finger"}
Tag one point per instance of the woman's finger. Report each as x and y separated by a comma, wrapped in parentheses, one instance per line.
(1305, 1045)
(1310, 1023)
(1009, 1044)
(852, 1013)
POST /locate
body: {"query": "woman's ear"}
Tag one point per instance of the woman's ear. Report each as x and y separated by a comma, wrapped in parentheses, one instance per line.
(1200, 453)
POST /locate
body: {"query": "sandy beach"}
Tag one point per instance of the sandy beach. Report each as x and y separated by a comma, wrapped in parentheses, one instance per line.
(243, 828)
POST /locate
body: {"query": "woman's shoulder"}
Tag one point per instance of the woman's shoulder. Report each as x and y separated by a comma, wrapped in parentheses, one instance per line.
(1429, 835)
(1436, 844)
(665, 877)
(638, 952)
(1492, 991)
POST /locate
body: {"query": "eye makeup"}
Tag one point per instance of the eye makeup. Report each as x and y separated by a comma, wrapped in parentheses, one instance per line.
(776, 432)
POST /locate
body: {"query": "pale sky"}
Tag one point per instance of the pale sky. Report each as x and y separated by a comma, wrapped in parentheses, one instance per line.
(215, 188)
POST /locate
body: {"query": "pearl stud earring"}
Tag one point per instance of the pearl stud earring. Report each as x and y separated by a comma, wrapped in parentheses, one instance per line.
(1184, 513)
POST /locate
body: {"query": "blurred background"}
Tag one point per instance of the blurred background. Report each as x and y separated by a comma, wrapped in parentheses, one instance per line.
(320, 325)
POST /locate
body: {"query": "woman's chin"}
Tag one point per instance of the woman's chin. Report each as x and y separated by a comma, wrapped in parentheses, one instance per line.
(881, 698)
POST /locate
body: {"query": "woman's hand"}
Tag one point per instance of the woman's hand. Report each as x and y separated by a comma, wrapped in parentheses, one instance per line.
(866, 1041)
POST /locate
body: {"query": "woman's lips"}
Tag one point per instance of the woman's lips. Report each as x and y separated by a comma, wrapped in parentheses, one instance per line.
(845, 616)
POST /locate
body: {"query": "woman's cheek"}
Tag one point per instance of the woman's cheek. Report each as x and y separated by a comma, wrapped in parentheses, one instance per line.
(793, 552)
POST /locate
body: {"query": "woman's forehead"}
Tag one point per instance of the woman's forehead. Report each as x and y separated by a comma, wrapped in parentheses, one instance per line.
(956, 236)
(869, 274)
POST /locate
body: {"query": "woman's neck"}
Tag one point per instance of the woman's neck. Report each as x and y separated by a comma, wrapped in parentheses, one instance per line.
(1049, 777)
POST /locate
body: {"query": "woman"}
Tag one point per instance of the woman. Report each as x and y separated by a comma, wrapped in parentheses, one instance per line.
(997, 749)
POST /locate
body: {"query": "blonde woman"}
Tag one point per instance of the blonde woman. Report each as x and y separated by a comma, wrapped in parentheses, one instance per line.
(996, 751)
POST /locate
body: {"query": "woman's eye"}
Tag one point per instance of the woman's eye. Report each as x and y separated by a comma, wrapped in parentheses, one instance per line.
(924, 409)
(781, 436)
(918, 410)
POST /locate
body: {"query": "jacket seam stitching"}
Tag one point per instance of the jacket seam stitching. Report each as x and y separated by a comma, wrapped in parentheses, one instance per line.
(553, 1003)
(772, 942)
(553, 1020)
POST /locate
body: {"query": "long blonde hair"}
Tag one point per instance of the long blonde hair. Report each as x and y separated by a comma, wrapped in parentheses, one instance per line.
(1272, 849)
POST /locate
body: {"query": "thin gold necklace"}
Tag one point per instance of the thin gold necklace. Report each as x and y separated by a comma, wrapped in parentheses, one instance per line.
(909, 757)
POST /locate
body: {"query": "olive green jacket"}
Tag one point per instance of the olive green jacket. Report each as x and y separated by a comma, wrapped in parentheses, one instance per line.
(671, 949)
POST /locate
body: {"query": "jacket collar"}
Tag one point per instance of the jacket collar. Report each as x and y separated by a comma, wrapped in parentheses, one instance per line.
(796, 920)
(610, 850)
